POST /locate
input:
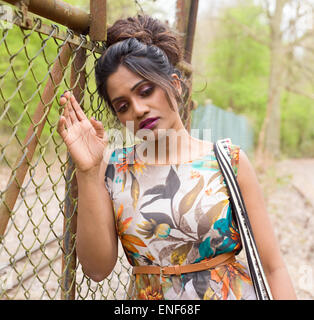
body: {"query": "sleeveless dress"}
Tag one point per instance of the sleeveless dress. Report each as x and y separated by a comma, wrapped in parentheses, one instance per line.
(177, 214)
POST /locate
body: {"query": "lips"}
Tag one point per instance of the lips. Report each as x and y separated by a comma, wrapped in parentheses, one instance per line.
(147, 121)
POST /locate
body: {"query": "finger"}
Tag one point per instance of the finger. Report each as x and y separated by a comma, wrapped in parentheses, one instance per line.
(98, 127)
(64, 98)
(61, 127)
(66, 114)
(64, 102)
(72, 113)
(106, 138)
(78, 110)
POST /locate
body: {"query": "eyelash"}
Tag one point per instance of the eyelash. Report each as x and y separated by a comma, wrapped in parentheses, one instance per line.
(148, 91)
(144, 94)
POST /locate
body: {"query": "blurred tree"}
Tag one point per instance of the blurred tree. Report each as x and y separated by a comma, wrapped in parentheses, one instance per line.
(284, 41)
(256, 53)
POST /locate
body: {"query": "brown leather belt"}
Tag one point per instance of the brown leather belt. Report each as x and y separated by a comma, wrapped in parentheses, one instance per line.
(221, 259)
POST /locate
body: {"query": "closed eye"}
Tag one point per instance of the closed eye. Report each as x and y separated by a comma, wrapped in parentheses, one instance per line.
(146, 91)
(122, 108)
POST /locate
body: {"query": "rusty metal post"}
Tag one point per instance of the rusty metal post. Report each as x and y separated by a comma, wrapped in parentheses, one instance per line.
(69, 230)
(78, 75)
(58, 11)
(31, 140)
(186, 15)
(189, 41)
(182, 9)
(98, 22)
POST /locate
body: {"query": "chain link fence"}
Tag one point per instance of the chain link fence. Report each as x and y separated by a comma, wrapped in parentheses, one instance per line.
(38, 191)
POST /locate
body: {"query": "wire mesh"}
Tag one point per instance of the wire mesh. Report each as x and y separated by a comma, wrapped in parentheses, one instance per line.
(37, 66)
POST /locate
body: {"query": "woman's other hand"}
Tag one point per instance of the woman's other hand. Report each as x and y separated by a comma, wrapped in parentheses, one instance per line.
(85, 139)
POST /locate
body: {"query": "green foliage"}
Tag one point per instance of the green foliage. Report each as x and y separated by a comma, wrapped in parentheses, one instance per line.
(297, 130)
(237, 66)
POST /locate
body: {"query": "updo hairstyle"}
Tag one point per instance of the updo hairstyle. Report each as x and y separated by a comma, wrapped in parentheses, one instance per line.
(147, 48)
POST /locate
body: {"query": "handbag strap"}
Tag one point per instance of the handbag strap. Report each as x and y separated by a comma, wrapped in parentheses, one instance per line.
(259, 280)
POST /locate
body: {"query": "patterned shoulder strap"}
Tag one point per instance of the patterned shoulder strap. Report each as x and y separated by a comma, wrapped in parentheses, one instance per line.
(260, 283)
(226, 143)
(232, 151)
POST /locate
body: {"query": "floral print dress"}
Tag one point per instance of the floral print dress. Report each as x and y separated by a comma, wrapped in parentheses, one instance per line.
(177, 214)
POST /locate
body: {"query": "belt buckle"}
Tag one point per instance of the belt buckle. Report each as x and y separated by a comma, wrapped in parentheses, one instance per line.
(162, 270)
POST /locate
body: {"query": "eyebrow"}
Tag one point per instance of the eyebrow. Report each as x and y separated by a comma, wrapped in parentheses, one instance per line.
(132, 89)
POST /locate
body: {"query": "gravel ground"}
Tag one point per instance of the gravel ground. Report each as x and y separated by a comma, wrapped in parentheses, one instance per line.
(289, 193)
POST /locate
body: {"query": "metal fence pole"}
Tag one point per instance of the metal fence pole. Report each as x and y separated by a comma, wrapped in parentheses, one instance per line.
(186, 14)
(78, 76)
(58, 11)
(191, 31)
(98, 23)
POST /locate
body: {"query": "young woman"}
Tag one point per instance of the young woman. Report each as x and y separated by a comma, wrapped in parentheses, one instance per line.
(164, 198)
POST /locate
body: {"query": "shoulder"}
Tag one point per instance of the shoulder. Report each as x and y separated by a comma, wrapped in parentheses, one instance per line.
(243, 169)
(246, 177)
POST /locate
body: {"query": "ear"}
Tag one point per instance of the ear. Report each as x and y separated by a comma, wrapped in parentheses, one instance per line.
(177, 83)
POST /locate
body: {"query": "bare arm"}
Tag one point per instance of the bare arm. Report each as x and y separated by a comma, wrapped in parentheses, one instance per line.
(96, 237)
(97, 244)
(273, 264)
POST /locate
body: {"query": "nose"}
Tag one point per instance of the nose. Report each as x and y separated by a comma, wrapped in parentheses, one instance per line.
(140, 108)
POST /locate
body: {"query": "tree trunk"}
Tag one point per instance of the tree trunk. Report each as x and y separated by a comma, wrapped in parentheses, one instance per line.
(268, 148)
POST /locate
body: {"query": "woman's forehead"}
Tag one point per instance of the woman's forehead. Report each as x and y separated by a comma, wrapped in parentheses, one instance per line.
(122, 79)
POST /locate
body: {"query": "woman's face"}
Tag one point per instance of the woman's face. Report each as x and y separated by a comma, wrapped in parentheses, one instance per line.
(136, 99)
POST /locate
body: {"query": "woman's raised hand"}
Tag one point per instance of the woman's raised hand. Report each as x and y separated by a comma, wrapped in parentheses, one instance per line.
(85, 139)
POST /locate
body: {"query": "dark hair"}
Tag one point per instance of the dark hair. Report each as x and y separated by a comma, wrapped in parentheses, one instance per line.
(147, 48)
